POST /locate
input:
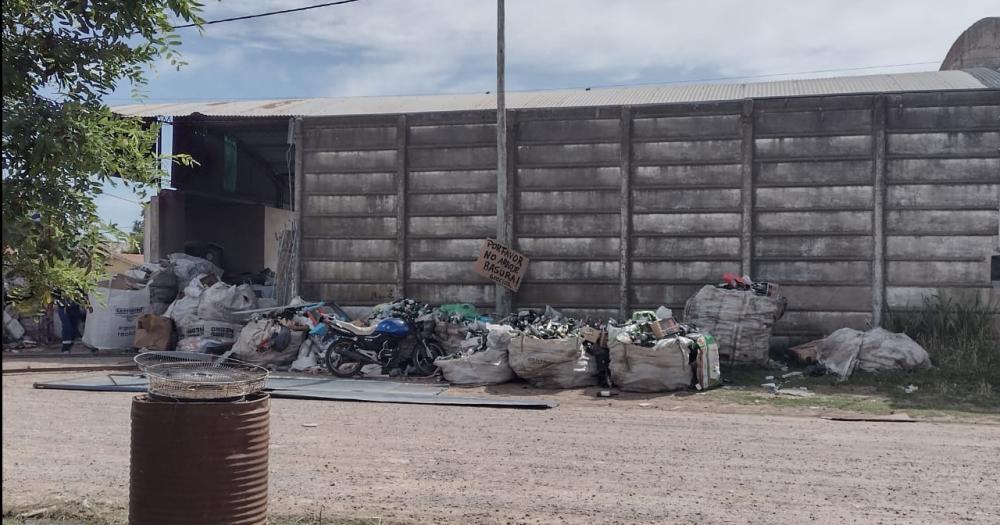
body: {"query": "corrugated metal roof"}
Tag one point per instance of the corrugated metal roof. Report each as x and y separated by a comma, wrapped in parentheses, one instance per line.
(633, 95)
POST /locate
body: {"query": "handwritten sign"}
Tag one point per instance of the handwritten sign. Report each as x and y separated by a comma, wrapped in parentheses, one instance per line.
(501, 264)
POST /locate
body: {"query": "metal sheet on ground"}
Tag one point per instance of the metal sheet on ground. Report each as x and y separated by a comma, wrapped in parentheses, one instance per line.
(316, 389)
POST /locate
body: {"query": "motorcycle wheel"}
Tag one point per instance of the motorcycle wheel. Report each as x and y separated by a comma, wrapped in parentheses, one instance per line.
(424, 354)
(337, 364)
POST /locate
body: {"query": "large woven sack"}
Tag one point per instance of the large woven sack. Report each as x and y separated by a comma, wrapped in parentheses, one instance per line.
(741, 321)
(552, 363)
(488, 367)
(114, 311)
(662, 368)
(221, 302)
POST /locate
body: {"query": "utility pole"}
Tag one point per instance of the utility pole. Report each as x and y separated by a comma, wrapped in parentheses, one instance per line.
(505, 234)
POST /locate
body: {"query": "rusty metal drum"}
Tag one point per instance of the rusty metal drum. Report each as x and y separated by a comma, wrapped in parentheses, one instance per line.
(199, 462)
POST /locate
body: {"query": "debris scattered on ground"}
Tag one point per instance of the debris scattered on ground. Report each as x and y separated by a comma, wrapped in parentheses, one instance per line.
(804, 354)
(909, 389)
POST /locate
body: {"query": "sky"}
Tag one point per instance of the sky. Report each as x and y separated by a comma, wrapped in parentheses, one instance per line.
(407, 47)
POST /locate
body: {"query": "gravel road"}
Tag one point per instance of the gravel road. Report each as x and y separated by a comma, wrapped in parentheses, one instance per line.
(674, 460)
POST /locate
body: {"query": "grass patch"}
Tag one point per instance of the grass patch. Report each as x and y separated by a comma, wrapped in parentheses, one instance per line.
(962, 339)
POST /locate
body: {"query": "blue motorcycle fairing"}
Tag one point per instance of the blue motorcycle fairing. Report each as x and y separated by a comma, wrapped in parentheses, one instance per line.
(393, 327)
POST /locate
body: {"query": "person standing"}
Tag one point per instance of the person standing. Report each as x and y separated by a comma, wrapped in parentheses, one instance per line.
(70, 317)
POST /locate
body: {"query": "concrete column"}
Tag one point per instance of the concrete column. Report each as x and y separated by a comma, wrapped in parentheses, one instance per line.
(401, 167)
(878, 215)
(625, 250)
(299, 178)
(746, 196)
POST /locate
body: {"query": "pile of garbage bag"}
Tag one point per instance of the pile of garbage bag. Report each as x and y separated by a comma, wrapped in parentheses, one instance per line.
(846, 350)
(740, 319)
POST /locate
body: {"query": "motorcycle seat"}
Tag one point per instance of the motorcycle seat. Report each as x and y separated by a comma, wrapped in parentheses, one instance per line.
(355, 329)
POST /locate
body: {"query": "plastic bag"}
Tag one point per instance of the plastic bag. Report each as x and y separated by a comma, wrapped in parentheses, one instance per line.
(221, 302)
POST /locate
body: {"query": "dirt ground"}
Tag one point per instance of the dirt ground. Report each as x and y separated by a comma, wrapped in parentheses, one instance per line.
(627, 459)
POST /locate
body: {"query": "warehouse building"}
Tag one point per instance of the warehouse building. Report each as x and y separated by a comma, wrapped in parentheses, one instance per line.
(858, 195)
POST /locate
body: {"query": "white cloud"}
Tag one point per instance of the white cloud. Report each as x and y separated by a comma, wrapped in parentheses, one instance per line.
(376, 47)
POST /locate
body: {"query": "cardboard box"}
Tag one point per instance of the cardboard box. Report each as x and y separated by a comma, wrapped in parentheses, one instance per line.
(663, 328)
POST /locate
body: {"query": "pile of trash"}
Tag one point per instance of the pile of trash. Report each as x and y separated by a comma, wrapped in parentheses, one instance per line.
(458, 326)
(740, 315)
(406, 309)
(654, 353)
(483, 358)
(548, 351)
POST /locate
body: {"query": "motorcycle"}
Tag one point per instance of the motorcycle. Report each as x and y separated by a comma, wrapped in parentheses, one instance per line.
(350, 347)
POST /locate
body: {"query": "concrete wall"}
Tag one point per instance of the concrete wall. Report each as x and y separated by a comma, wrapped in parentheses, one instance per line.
(853, 204)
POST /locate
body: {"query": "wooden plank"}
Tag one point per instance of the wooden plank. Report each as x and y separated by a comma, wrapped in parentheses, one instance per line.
(625, 211)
